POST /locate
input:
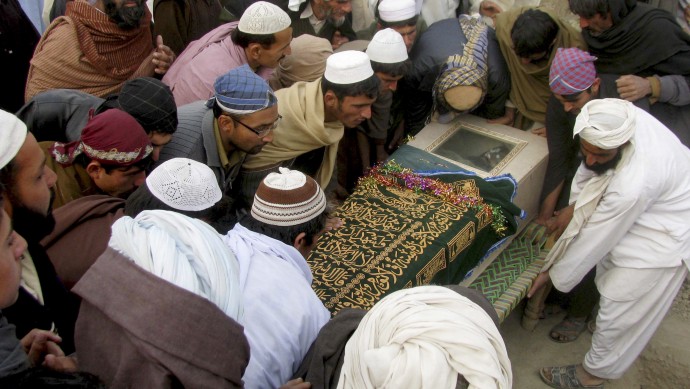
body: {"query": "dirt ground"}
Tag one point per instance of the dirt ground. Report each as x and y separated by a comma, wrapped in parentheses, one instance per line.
(665, 362)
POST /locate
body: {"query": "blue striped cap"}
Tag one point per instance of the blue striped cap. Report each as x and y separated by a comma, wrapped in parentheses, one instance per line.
(241, 91)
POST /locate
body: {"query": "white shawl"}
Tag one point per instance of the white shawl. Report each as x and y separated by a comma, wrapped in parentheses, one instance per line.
(283, 315)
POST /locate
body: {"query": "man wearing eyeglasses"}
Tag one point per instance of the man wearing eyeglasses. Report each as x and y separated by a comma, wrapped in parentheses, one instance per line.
(236, 121)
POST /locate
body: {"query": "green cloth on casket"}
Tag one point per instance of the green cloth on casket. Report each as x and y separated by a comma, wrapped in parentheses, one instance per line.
(397, 238)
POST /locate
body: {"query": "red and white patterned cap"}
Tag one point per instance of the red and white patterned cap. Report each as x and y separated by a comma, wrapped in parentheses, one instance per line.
(572, 71)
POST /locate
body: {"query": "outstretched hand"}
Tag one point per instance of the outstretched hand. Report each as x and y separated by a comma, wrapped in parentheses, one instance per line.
(163, 57)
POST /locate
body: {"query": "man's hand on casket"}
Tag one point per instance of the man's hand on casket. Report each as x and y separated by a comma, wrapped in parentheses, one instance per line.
(539, 282)
(557, 224)
(333, 222)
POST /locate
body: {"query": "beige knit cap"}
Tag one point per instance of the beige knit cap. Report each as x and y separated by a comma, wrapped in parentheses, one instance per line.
(288, 198)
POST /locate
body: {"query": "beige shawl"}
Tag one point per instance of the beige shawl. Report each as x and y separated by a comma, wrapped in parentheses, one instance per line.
(301, 130)
(529, 89)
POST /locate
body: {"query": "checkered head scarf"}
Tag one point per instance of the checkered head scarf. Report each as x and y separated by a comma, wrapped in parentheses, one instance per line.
(113, 137)
(288, 198)
(572, 71)
(240, 91)
(468, 69)
(151, 102)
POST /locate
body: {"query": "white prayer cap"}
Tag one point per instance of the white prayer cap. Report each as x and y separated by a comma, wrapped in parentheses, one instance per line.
(397, 10)
(606, 123)
(184, 184)
(348, 67)
(263, 18)
(387, 46)
(13, 135)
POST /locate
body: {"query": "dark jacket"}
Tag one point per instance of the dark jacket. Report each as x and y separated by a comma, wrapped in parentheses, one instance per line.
(60, 307)
(59, 114)
(18, 39)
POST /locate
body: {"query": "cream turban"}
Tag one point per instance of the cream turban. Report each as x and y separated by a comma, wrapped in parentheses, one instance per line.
(606, 123)
(425, 337)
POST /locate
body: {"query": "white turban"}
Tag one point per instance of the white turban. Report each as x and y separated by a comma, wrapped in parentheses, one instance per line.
(606, 123)
(183, 251)
(424, 337)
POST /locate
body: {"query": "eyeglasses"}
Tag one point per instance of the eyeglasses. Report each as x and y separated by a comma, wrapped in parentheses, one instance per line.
(263, 130)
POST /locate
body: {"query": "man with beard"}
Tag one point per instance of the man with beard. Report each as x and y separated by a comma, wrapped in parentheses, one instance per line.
(574, 82)
(111, 157)
(236, 122)
(43, 302)
(96, 48)
(323, 18)
(260, 39)
(630, 221)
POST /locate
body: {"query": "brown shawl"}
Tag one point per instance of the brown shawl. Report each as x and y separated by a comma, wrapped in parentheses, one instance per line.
(85, 50)
(136, 330)
(529, 89)
(83, 223)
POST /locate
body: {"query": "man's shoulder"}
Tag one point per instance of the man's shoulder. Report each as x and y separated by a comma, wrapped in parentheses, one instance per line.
(194, 120)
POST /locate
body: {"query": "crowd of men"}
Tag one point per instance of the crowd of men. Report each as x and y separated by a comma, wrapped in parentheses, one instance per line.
(165, 173)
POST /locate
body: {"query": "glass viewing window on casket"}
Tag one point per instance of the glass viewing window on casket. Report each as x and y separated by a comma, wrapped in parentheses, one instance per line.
(479, 150)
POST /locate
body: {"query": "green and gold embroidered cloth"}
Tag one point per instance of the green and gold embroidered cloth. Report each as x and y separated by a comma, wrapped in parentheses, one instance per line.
(394, 237)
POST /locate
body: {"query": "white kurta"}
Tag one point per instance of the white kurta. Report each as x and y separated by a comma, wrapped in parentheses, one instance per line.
(638, 235)
(282, 315)
(642, 218)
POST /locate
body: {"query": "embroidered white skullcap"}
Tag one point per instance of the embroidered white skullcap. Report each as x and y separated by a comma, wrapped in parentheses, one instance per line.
(397, 10)
(387, 46)
(13, 135)
(348, 67)
(263, 18)
(288, 198)
(606, 123)
(184, 184)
